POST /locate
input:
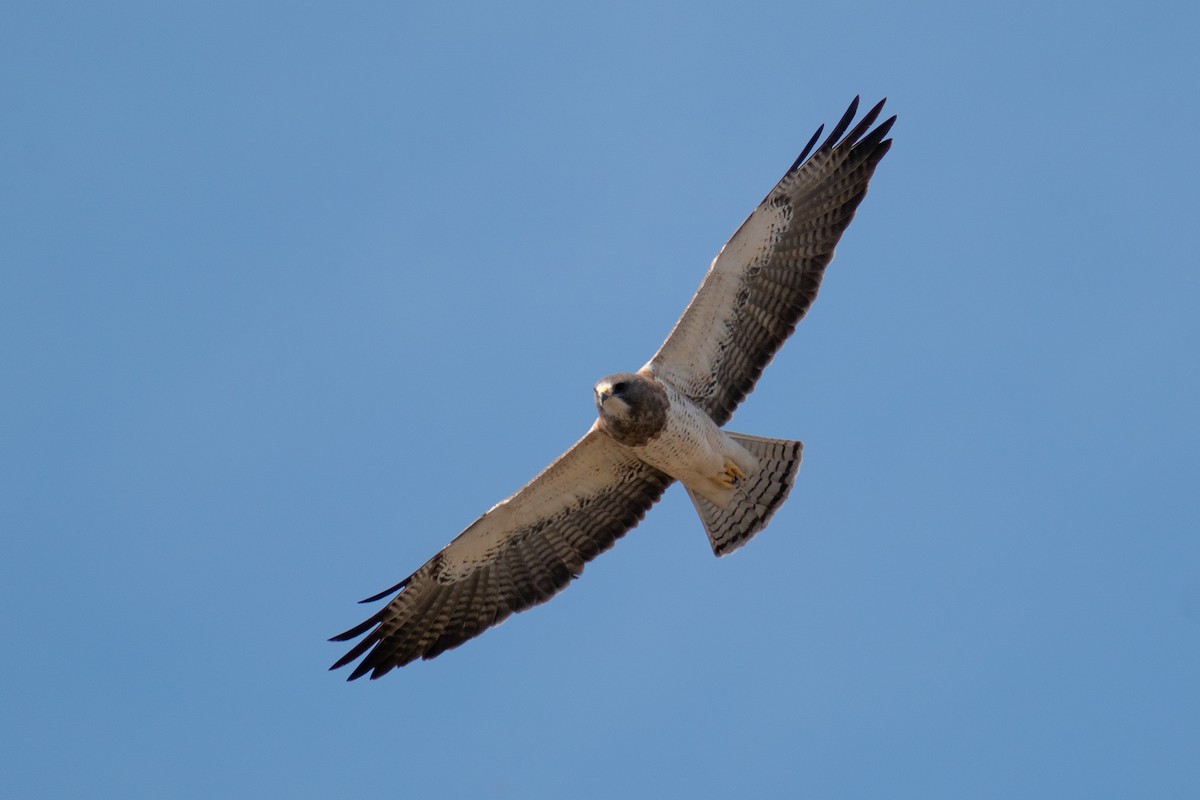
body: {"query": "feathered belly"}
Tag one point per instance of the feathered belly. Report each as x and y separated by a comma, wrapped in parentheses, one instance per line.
(693, 450)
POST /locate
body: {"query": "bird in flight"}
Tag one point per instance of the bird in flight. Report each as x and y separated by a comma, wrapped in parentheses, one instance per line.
(655, 426)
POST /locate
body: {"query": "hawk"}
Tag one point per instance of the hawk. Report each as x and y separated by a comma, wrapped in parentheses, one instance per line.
(655, 426)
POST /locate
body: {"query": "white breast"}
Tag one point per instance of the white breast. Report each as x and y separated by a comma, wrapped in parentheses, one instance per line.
(694, 450)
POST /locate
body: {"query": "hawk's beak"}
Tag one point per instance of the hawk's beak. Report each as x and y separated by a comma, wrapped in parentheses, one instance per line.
(602, 395)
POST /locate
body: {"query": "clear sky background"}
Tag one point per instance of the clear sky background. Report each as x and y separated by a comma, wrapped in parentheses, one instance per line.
(293, 291)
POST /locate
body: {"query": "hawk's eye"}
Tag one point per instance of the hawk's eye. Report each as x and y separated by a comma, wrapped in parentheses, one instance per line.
(619, 387)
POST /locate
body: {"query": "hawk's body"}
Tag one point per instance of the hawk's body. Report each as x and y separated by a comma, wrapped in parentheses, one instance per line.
(664, 428)
(660, 424)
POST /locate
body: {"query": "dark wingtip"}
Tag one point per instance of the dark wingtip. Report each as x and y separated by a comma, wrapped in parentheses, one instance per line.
(357, 630)
(807, 149)
(874, 140)
(863, 124)
(341, 662)
(387, 591)
(885, 127)
(843, 125)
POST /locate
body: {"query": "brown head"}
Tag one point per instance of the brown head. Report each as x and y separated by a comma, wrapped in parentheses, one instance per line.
(632, 407)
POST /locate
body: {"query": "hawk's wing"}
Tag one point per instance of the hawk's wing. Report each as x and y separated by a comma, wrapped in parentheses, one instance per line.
(520, 553)
(766, 276)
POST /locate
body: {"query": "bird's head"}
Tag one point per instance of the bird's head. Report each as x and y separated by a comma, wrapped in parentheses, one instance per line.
(616, 395)
(632, 406)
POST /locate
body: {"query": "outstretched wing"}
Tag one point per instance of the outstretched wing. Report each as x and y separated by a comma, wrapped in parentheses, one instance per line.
(767, 275)
(520, 553)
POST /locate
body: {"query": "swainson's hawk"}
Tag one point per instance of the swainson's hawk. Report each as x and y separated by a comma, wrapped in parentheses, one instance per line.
(654, 426)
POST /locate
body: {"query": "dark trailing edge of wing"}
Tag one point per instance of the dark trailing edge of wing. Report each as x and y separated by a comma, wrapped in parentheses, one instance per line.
(433, 613)
(776, 312)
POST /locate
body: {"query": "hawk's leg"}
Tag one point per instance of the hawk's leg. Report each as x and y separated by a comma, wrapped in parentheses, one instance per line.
(732, 474)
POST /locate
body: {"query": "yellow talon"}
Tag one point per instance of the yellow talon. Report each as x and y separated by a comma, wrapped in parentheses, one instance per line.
(731, 476)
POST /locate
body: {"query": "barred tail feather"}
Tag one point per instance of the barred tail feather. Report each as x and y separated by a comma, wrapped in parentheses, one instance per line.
(756, 497)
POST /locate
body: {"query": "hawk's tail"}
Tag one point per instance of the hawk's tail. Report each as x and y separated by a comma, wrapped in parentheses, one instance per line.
(756, 497)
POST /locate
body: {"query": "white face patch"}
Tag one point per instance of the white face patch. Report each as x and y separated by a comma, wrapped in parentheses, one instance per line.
(616, 407)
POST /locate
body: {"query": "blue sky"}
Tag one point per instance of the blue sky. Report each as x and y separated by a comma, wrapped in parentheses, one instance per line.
(293, 292)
